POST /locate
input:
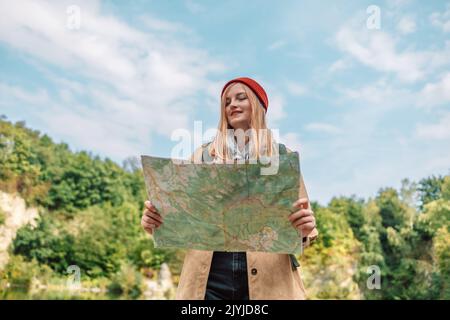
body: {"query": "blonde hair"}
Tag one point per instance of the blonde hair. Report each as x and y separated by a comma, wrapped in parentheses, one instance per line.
(261, 138)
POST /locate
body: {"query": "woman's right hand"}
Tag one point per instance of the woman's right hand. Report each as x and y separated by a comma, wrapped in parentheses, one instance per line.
(151, 219)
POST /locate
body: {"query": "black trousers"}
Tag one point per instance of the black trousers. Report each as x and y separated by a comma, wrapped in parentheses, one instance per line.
(228, 278)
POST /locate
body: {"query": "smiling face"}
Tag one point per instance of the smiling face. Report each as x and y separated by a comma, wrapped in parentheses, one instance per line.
(237, 107)
(240, 108)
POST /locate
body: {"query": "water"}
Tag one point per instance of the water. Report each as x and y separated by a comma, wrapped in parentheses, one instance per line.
(23, 294)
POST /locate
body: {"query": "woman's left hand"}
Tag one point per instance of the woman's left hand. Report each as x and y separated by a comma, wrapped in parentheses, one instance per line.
(303, 220)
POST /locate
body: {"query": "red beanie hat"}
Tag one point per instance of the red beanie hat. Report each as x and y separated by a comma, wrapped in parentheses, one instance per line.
(256, 88)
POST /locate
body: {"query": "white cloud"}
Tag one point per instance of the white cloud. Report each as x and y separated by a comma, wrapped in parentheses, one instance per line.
(296, 89)
(340, 64)
(277, 44)
(406, 25)
(291, 140)
(194, 7)
(8, 92)
(369, 144)
(374, 147)
(275, 112)
(439, 163)
(322, 127)
(385, 95)
(89, 131)
(213, 90)
(398, 3)
(441, 19)
(380, 94)
(436, 93)
(126, 84)
(101, 129)
(160, 25)
(378, 50)
(438, 131)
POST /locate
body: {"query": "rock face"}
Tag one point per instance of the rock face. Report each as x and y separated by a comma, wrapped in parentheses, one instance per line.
(16, 215)
(162, 288)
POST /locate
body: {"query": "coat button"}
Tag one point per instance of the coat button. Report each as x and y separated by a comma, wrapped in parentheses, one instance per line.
(254, 271)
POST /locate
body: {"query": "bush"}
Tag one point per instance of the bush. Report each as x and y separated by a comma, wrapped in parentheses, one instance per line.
(19, 273)
(97, 240)
(49, 243)
(127, 283)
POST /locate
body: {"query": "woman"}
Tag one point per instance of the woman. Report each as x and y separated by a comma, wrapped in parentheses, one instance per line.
(242, 275)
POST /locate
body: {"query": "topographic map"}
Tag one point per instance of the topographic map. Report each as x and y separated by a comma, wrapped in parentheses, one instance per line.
(224, 207)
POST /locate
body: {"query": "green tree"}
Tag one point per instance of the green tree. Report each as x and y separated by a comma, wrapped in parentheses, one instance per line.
(430, 189)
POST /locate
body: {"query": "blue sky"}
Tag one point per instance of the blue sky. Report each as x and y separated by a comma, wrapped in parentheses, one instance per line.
(365, 107)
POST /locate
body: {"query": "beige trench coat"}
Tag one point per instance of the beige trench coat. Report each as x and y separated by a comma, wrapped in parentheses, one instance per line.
(270, 275)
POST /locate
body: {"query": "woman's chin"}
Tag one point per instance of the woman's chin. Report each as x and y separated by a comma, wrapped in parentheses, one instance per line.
(238, 123)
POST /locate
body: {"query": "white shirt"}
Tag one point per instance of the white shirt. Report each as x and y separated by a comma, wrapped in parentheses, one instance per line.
(235, 151)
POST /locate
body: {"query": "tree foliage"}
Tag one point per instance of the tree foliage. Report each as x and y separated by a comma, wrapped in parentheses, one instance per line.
(90, 216)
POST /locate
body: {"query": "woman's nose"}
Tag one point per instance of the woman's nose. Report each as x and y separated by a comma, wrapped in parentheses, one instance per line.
(233, 104)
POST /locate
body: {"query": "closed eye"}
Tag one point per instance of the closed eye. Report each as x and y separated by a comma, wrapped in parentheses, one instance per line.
(240, 96)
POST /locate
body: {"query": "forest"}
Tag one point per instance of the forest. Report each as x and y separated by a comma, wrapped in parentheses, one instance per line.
(90, 211)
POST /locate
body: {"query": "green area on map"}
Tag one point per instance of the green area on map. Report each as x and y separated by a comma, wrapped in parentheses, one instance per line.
(224, 207)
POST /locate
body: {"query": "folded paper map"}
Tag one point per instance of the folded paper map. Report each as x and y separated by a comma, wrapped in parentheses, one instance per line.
(224, 207)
